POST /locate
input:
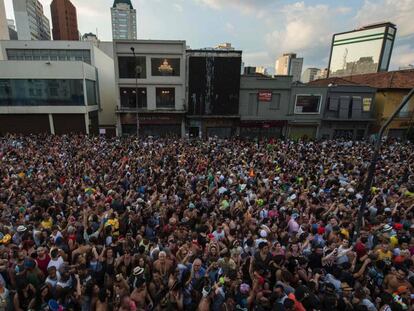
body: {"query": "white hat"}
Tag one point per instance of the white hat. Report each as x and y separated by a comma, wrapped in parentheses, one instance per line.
(21, 229)
(138, 271)
(263, 233)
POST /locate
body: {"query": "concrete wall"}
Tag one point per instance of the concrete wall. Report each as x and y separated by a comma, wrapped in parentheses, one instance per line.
(153, 49)
(106, 87)
(249, 89)
(43, 70)
(386, 102)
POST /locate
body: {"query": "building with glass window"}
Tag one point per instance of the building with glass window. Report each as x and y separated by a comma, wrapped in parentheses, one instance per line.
(56, 87)
(150, 87)
(391, 88)
(365, 50)
(124, 20)
(31, 22)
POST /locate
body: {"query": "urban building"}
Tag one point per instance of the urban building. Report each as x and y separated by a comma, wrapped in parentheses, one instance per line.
(264, 104)
(321, 74)
(12, 29)
(408, 67)
(309, 74)
(361, 51)
(261, 70)
(213, 92)
(391, 88)
(289, 65)
(91, 37)
(249, 70)
(225, 46)
(64, 20)
(11, 24)
(31, 23)
(56, 87)
(124, 20)
(150, 87)
(4, 29)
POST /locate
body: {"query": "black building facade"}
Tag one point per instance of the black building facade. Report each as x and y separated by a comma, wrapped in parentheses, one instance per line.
(213, 92)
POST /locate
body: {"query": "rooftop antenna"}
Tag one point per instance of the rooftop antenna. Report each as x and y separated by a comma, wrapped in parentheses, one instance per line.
(345, 57)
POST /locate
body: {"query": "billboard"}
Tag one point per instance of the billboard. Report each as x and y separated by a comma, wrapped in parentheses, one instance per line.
(310, 104)
(165, 67)
(265, 96)
(367, 50)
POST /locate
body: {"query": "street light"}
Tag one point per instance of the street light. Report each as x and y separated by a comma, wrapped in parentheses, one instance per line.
(373, 165)
(136, 88)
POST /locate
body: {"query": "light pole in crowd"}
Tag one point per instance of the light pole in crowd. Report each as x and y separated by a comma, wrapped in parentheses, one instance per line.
(374, 160)
(136, 88)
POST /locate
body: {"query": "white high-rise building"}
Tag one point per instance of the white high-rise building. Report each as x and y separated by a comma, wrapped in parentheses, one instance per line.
(124, 20)
(31, 23)
(289, 65)
(262, 70)
(4, 29)
(309, 74)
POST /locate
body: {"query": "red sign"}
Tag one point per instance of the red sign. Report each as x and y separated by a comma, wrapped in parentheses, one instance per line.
(265, 96)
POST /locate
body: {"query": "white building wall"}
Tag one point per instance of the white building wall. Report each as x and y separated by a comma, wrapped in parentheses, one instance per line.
(107, 90)
(154, 49)
(4, 29)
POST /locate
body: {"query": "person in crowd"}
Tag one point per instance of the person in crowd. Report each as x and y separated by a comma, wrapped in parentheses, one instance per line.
(94, 223)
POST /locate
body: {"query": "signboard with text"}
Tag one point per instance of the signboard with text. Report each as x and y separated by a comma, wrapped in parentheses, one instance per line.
(265, 96)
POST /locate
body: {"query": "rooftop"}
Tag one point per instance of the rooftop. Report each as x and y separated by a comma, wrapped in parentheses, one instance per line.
(401, 79)
(123, 1)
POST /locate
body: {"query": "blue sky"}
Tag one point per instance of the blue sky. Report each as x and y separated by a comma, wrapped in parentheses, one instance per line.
(263, 29)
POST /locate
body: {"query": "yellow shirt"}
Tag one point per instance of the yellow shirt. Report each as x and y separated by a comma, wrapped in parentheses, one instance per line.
(384, 255)
(47, 223)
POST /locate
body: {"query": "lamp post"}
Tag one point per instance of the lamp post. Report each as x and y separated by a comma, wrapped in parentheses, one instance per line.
(136, 88)
(374, 161)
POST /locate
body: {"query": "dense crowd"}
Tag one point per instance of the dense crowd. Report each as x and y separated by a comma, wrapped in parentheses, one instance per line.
(158, 224)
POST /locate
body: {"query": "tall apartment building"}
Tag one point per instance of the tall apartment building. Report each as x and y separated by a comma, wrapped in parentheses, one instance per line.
(124, 20)
(31, 23)
(64, 20)
(289, 64)
(4, 29)
(309, 74)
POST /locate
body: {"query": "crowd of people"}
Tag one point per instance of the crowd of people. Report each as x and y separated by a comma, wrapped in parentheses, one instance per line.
(89, 223)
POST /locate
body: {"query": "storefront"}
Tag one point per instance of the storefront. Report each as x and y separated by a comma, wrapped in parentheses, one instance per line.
(302, 131)
(262, 129)
(212, 127)
(156, 124)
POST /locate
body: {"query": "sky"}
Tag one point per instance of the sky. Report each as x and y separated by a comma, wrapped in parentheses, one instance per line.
(262, 29)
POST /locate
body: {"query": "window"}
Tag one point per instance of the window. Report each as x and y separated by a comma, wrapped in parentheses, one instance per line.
(333, 103)
(41, 92)
(91, 93)
(165, 98)
(165, 66)
(366, 104)
(308, 104)
(128, 97)
(46, 55)
(131, 67)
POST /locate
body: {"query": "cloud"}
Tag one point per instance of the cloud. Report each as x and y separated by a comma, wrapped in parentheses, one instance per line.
(178, 7)
(306, 30)
(403, 55)
(257, 7)
(399, 12)
(230, 27)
